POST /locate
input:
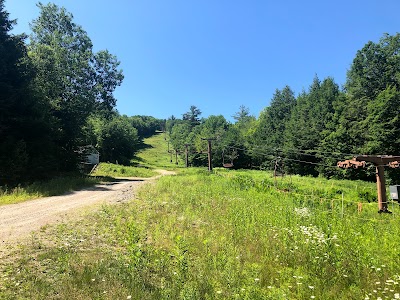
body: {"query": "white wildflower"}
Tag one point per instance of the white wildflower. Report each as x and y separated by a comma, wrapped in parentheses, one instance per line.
(302, 212)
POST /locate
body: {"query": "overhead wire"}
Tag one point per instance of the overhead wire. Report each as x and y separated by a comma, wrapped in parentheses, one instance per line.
(285, 158)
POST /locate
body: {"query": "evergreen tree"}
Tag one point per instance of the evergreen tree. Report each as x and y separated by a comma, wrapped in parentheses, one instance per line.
(309, 124)
(270, 127)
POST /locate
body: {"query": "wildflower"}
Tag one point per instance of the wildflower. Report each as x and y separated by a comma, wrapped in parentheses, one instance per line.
(377, 282)
(390, 281)
(129, 297)
(256, 279)
(93, 279)
(312, 297)
(396, 296)
(311, 287)
(302, 212)
(219, 292)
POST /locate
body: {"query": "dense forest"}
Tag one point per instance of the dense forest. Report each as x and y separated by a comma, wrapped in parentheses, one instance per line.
(309, 133)
(56, 96)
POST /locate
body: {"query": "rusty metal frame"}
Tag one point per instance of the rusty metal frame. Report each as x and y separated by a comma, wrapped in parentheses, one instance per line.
(379, 161)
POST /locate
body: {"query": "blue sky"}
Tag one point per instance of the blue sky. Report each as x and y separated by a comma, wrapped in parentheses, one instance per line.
(220, 54)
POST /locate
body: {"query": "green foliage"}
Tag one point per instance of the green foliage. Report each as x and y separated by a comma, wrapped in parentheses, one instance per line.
(25, 124)
(146, 125)
(310, 123)
(272, 121)
(383, 123)
(192, 116)
(375, 67)
(117, 140)
(70, 77)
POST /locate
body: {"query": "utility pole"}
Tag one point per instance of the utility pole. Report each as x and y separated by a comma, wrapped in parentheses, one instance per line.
(379, 161)
(209, 152)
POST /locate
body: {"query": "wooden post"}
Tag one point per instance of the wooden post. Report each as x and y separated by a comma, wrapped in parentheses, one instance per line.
(381, 187)
(209, 152)
(176, 157)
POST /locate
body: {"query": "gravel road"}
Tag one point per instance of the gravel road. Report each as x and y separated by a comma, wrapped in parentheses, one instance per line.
(19, 220)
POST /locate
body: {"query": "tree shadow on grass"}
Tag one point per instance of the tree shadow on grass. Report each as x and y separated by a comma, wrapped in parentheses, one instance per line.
(142, 146)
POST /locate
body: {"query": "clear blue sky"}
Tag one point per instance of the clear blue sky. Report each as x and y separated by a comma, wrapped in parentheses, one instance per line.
(220, 54)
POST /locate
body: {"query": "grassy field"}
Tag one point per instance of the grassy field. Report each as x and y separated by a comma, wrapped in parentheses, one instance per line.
(225, 235)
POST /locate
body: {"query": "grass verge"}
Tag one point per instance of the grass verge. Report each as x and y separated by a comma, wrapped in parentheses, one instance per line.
(53, 187)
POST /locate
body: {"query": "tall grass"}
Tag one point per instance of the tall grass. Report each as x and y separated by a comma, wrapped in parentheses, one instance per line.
(226, 235)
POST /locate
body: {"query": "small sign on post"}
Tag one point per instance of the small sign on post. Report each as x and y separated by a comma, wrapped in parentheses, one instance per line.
(394, 192)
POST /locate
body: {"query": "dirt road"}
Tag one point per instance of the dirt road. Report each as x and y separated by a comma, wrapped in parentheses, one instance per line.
(19, 220)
